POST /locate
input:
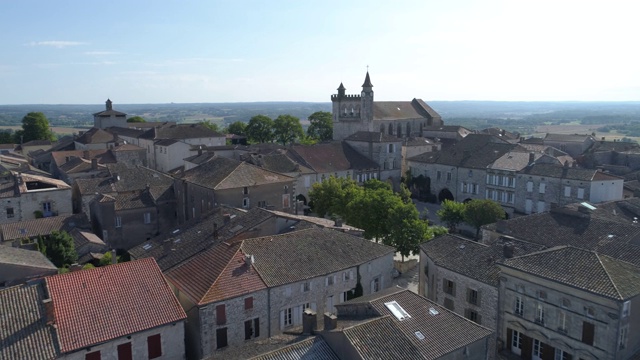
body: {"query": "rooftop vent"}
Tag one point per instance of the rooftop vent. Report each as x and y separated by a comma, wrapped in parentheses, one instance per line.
(146, 246)
(433, 311)
(397, 310)
(419, 335)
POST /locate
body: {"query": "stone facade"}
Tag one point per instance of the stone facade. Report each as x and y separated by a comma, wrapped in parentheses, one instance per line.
(171, 337)
(23, 207)
(568, 314)
(387, 154)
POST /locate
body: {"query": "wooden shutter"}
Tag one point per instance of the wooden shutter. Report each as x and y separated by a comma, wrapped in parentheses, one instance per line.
(548, 352)
(256, 327)
(247, 330)
(281, 319)
(478, 298)
(221, 316)
(221, 338)
(154, 345)
(454, 289)
(527, 347)
(124, 351)
(588, 331)
(444, 285)
(93, 356)
(248, 303)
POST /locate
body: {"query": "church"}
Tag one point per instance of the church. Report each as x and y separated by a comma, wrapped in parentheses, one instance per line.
(404, 119)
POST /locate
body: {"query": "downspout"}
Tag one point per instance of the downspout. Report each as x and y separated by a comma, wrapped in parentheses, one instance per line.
(269, 312)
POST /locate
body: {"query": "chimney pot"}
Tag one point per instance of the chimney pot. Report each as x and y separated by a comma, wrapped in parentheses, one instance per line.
(114, 257)
(309, 322)
(330, 321)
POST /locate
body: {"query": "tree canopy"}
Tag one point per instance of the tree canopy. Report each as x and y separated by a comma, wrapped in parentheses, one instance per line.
(451, 213)
(260, 129)
(237, 128)
(136, 119)
(211, 125)
(287, 129)
(383, 215)
(321, 127)
(35, 126)
(59, 248)
(482, 212)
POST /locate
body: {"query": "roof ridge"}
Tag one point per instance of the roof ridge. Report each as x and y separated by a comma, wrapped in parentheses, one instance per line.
(608, 275)
(228, 175)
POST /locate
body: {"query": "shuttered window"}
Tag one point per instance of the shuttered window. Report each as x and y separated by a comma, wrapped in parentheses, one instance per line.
(154, 346)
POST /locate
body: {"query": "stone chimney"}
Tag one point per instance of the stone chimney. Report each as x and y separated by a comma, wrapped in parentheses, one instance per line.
(48, 311)
(330, 321)
(507, 250)
(114, 256)
(532, 158)
(309, 322)
(199, 150)
(94, 164)
(86, 154)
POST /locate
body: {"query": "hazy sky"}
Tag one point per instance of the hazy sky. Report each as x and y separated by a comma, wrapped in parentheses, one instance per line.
(81, 52)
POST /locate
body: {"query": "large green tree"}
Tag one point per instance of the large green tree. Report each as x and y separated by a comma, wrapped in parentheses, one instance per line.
(237, 128)
(35, 126)
(211, 125)
(478, 213)
(331, 196)
(321, 127)
(451, 213)
(287, 129)
(260, 129)
(136, 119)
(59, 248)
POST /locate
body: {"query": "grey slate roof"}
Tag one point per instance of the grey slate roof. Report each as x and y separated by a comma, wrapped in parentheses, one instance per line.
(43, 226)
(299, 251)
(24, 333)
(331, 157)
(474, 151)
(95, 136)
(582, 269)
(473, 259)
(561, 172)
(390, 338)
(23, 257)
(178, 132)
(314, 348)
(131, 178)
(567, 137)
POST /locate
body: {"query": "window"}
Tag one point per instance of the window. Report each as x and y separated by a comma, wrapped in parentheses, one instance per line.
(375, 285)
(540, 314)
(438, 175)
(588, 332)
(391, 148)
(472, 315)
(248, 303)
(519, 306)
(580, 193)
(221, 338)
(118, 221)
(542, 188)
(472, 297)
(448, 176)
(512, 182)
(626, 309)
(516, 342)
(154, 346)
(448, 303)
(541, 294)
(286, 317)
(537, 349)
(529, 186)
(245, 203)
(562, 321)
(589, 311)
(567, 191)
(92, 356)
(561, 355)
(147, 218)
(10, 212)
(221, 315)
(262, 204)
(249, 330)
(510, 198)
(306, 286)
(449, 287)
(330, 280)
(566, 303)
(245, 190)
(124, 351)
(46, 207)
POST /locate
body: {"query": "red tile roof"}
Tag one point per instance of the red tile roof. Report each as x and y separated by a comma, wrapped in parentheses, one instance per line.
(98, 305)
(221, 273)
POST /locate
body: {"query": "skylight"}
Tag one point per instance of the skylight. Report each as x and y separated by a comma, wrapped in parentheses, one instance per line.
(433, 311)
(419, 335)
(146, 246)
(397, 310)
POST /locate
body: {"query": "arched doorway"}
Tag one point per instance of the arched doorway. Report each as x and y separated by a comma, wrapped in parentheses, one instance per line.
(301, 197)
(445, 194)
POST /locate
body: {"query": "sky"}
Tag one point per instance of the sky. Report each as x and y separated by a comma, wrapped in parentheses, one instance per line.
(161, 51)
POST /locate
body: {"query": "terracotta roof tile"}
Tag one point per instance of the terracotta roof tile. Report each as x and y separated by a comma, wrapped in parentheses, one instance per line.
(97, 305)
(331, 157)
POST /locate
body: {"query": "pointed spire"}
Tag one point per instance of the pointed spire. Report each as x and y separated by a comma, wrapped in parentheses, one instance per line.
(341, 87)
(109, 104)
(367, 81)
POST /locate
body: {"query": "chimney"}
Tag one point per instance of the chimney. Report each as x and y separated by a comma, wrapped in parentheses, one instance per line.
(49, 312)
(215, 231)
(227, 218)
(507, 250)
(566, 164)
(532, 158)
(502, 132)
(114, 256)
(309, 322)
(249, 260)
(94, 164)
(330, 321)
(199, 150)
(338, 222)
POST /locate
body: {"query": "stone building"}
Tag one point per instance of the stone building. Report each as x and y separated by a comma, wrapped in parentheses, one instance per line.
(574, 145)
(385, 150)
(109, 117)
(236, 291)
(17, 266)
(354, 113)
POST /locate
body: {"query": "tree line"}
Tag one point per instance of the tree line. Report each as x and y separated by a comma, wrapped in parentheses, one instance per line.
(35, 126)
